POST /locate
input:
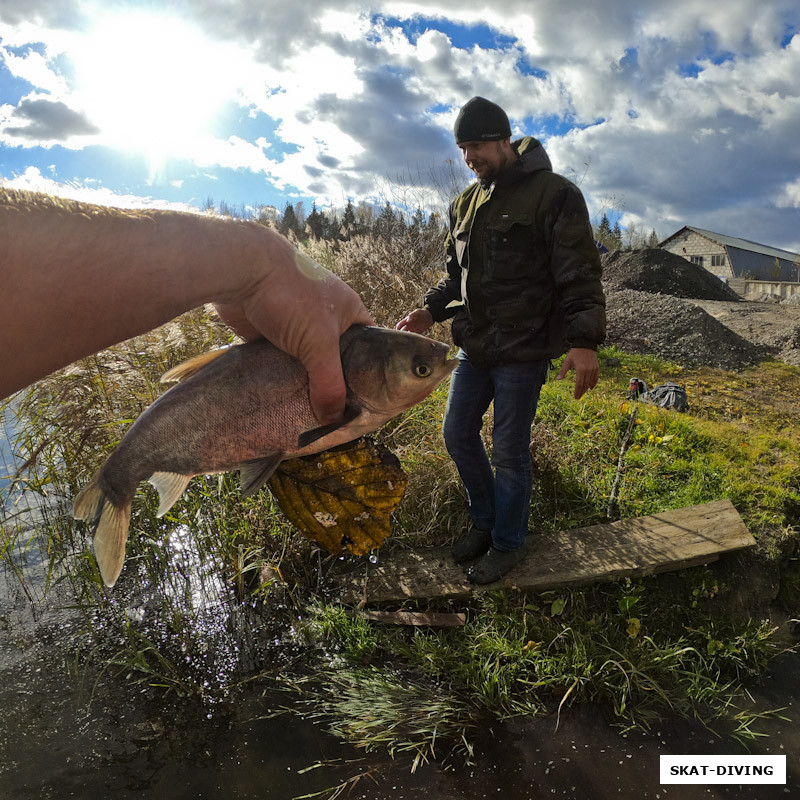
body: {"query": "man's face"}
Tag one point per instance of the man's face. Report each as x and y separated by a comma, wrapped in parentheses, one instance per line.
(488, 159)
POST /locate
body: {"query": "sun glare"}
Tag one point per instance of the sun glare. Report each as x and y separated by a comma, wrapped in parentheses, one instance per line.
(152, 83)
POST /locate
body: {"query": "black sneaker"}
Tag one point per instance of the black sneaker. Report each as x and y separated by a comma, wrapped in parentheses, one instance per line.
(494, 565)
(475, 542)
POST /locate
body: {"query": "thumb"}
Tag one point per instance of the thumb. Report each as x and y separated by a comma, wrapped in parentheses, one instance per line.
(326, 386)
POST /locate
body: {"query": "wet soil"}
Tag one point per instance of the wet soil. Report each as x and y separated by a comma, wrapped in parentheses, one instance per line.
(73, 737)
(586, 758)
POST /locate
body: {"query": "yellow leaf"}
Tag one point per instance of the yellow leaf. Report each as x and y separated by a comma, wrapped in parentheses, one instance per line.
(531, 645)
(633, 627)
(342, 498)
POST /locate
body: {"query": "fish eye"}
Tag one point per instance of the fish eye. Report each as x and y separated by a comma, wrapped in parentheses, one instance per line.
(422, 370)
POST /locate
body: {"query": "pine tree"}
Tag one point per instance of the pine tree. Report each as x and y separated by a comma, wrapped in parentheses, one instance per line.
(386, 224)
(315, 222)
(332, 225)
(603, 233)
(348, 227)
(616, 237)
(289, 222)
(417, 222)
(653, 240)
(610, 238)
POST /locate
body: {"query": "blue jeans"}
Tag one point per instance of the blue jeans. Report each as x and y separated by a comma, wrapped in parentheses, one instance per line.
(499, 500)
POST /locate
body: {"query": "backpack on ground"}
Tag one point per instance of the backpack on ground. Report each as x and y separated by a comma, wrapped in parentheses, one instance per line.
(667, 395)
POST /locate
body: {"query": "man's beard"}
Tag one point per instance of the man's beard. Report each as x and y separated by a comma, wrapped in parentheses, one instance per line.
(486, 172)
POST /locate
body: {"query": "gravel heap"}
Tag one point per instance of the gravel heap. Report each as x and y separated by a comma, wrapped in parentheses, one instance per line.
(659, 271)
(646, 312)
(676, 330)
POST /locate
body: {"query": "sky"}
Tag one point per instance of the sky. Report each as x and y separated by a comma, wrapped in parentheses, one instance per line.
(665, 112)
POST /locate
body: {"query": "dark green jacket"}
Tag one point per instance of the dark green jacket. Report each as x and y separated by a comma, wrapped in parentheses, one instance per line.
(523, 270)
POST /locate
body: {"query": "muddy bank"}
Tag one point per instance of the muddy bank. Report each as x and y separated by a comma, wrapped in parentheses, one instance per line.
(66, 737)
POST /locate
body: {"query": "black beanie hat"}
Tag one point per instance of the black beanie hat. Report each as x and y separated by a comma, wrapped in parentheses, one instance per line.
(480, 120)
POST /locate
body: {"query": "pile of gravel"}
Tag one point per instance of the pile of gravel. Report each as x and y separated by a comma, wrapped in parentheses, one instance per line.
(659, 271)
(676, 330)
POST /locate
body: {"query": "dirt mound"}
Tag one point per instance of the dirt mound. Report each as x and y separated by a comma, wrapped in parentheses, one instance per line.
(661, 272)
(677, 330)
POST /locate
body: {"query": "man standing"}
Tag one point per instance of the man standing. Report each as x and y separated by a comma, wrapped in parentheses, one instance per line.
(523, 287)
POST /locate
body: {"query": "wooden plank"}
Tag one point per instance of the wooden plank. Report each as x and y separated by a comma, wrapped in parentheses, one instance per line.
(433, 619)
(671, 540)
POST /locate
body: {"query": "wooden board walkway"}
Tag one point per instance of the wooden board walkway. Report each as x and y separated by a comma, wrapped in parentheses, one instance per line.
(683, 537)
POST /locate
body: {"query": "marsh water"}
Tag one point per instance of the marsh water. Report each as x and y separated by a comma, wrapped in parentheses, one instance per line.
(72, 731)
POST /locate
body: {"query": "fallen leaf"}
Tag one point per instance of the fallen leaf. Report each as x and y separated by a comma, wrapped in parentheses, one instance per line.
(558, 606)
(342, 498)
(633, 627)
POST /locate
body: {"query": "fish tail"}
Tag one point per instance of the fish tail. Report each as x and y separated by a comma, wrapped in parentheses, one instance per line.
(110, 528)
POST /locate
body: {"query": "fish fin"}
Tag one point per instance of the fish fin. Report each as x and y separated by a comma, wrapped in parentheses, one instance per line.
(309, 437)
(254, 474)
(170, 485)
(86, 505)
(193, 365)
(110, 529)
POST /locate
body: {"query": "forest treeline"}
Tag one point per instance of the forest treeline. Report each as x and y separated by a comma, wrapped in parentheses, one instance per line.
(389, 220)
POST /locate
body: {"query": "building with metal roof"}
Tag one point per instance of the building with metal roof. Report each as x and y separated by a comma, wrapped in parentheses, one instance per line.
(729, 257)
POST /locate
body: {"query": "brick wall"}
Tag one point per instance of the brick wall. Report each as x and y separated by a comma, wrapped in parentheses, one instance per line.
(690, 244)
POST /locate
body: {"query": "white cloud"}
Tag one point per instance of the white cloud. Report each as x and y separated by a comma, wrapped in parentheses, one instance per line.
(34, 68)
(687, 113)
(790, 196)
(32, 180)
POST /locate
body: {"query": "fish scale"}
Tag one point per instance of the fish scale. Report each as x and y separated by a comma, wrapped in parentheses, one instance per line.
(247, 407)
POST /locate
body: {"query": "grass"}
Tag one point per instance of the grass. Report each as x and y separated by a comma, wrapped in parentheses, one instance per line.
(614, 645)
(222, 590)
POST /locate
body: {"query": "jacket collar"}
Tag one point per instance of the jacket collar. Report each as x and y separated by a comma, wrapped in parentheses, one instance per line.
(531, 158)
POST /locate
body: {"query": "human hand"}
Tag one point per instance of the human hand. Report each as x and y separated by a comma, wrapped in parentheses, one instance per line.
(103, 275)
(587, 369)
(418, 321)
(302, 308)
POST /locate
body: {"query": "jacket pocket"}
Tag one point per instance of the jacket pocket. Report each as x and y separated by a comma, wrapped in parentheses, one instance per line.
(509, 248)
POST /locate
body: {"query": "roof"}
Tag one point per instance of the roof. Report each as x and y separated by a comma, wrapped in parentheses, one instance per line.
(741, 244)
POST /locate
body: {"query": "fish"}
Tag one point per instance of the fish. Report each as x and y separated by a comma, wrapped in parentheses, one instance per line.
(247, 408)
